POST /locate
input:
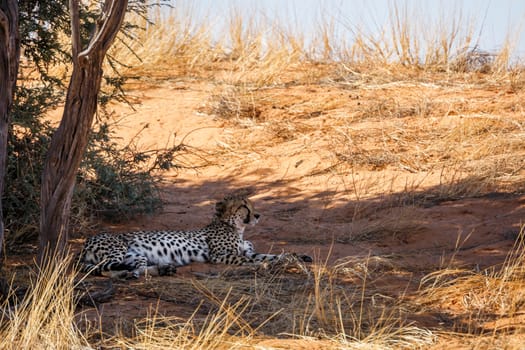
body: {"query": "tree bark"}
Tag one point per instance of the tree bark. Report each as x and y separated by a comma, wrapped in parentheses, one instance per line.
(69, 142)
(9, 60)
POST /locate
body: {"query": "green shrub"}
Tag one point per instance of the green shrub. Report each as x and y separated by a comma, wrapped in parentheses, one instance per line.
(113, 181)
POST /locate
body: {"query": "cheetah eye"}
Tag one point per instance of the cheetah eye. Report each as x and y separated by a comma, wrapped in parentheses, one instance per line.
(246, 207)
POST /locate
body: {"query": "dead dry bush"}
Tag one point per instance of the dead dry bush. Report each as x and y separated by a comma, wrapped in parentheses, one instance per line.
(236, 105)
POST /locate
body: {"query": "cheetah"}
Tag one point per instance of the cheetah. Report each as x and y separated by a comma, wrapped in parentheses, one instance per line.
(132, 254)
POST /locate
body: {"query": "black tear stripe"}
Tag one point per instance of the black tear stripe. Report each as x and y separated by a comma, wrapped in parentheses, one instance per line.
(247, 219)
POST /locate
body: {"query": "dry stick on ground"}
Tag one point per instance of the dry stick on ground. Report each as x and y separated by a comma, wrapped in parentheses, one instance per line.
(9, 59)
(70, 140)
(93, 298)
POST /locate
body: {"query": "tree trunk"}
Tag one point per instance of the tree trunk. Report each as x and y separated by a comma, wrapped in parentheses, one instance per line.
(9, 59)
(70, 140)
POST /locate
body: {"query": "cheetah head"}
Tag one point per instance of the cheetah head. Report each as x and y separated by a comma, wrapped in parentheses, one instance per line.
(237, 211)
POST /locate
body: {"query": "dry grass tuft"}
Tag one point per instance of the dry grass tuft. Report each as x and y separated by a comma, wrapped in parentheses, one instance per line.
(246, 306)
(488, 300)
(221, 330)
(45, 318)
(242, 307)
(240, 106)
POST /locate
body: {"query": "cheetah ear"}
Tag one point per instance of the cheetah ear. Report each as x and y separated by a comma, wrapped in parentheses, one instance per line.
(220, 207)
(241, 193)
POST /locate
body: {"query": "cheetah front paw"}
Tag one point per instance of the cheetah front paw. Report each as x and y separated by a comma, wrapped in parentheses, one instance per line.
(297, 257)
(305, 258)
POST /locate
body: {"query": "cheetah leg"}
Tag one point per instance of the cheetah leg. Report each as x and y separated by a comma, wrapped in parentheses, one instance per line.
(248, 248)
(249, 252)
(138, 265)
(141, 267)
(103, 268)
(250, 257)
(160, 270)
(230, 259)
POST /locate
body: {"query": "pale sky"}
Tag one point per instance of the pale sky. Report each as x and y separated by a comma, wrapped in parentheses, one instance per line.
(492, 20)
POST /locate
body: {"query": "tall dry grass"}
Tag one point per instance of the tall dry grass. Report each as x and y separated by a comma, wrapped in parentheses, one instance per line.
(485, 295)
(411, 37)
(257, 48)
(412, 51)
(323, 309)
(45, 317)
(287, 302)
(281, 304)
(489, 301)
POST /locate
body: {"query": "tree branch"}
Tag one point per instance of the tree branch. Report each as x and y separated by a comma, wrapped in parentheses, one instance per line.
(75, 29)
(9, 60)
(69, 142)
(111, 19)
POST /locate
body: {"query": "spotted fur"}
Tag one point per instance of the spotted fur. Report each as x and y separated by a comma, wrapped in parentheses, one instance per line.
(160, 252)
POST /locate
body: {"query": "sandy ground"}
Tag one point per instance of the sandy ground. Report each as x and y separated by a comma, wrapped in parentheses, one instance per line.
(306, 205)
